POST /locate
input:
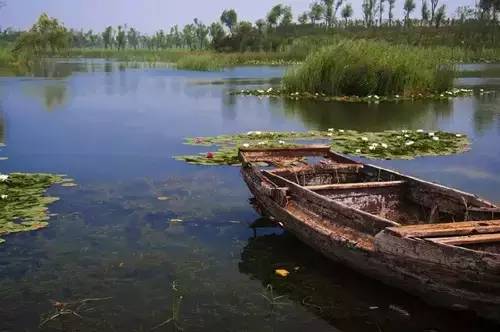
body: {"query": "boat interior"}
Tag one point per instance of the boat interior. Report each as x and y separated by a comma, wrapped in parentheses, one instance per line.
(420, 208)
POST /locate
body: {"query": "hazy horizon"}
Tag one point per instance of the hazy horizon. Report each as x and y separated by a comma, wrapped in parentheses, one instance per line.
(152, 15)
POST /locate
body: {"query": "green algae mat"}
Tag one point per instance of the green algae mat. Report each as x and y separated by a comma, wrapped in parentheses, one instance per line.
(23, 204)
(403, 144)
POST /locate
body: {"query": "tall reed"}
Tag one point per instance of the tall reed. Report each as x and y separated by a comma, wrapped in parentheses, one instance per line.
(363, 67)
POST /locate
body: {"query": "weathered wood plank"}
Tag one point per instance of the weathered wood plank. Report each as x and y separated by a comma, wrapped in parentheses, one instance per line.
(447, 229)
(470, 239)
(361, 185)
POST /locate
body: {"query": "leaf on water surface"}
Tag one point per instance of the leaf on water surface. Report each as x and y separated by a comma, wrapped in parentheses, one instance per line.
(404, 144)
(23, 206)
(282, 273)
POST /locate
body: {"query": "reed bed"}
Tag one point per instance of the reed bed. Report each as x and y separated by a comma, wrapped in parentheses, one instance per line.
(363, 68)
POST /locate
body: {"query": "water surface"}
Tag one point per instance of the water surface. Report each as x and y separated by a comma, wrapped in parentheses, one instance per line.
(195, 257)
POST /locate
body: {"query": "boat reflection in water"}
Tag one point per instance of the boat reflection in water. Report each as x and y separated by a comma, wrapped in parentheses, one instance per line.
(347, 300)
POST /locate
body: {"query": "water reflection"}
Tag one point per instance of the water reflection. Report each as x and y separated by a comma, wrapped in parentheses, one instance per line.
(348, 301)
(51, 94)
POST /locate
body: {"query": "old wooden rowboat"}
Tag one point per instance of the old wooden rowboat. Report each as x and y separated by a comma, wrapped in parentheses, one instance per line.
(436, 242)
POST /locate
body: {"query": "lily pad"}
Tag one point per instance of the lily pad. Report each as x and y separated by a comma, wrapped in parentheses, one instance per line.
(23, 206)
(403, 144)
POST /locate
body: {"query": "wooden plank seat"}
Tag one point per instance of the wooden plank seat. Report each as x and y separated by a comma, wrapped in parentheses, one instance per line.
(468, 239)
(457, 229)
(360, 185)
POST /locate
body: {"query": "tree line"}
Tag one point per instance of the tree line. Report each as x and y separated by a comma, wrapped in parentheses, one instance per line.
(271, 33)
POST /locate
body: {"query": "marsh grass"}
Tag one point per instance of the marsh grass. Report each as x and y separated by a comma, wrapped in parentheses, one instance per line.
(201, 62)
(363, 67)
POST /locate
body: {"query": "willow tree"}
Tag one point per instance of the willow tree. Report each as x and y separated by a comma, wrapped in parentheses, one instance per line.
(47, 36)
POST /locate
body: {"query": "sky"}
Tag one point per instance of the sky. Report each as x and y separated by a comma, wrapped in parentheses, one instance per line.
(151, 15)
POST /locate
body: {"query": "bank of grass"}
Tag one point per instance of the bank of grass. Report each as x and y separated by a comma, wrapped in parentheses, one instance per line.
(364, 67)
(192, 60)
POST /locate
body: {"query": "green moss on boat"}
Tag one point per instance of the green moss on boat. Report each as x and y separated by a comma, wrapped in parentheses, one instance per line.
(23, 204)
(403, 144)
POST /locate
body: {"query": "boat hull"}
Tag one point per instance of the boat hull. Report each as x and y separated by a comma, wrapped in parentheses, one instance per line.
(454, 287)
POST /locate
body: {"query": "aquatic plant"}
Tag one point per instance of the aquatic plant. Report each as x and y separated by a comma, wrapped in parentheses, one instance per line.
(23, 206)
(363, 68)
(375, 99)
(404, 144)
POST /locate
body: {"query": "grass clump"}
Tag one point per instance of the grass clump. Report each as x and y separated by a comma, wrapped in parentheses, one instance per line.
(391, 144)
(363, 68)
(23, 206)
(200, 62)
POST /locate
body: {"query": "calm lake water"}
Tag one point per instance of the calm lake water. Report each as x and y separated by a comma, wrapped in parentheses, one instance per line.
(193, 262)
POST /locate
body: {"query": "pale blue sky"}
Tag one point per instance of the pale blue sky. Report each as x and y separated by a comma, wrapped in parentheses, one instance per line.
(152, 15)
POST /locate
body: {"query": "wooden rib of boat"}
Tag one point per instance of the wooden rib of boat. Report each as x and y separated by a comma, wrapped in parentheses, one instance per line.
(436, 242)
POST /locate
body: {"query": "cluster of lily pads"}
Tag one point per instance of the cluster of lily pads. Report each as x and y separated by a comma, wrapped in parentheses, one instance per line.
(402, 144)
(296, 95)
(23, 205)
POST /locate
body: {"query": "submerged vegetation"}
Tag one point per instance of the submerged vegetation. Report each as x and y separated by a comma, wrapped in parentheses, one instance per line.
(404, 144)
(23, 206)
(362, 68)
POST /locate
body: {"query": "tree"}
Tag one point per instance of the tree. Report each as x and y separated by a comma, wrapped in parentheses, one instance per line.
(217, 34)
(229, 18)
(338, 4)
(328, 10)
(286, 16)
(133, 38)
(347, 12)
(274, 15)
(434, 4)
(107, 37)
(201, 33)
(120, 38)
(391, 10)
(303, 18)
(316, 13)
(380, 11)
(425, 12)
(408, 7)
(440, 16)
(46, 36)
(368, 10)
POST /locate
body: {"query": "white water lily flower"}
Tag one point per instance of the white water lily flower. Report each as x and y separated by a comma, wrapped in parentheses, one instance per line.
(246, 145)
(341, 130)
(376, 97)
(329, 134)
(358, 151)
(269, 90)
(404, 131)
(458, 135)
(385, 146)
(250, 133)
(281, 142)
(397, 96)
(441, 95)
(371, 148)
(261, 143)
(3, 177)
(407, 136)
(431, 134)
(331, 129)
(4, 196)
(409, 143)
(260, 91)
(435, 138)
(258, 133)
(420, 131)
(365, 139)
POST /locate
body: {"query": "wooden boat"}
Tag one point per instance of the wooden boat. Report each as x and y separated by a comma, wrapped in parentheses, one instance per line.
(438, 243)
